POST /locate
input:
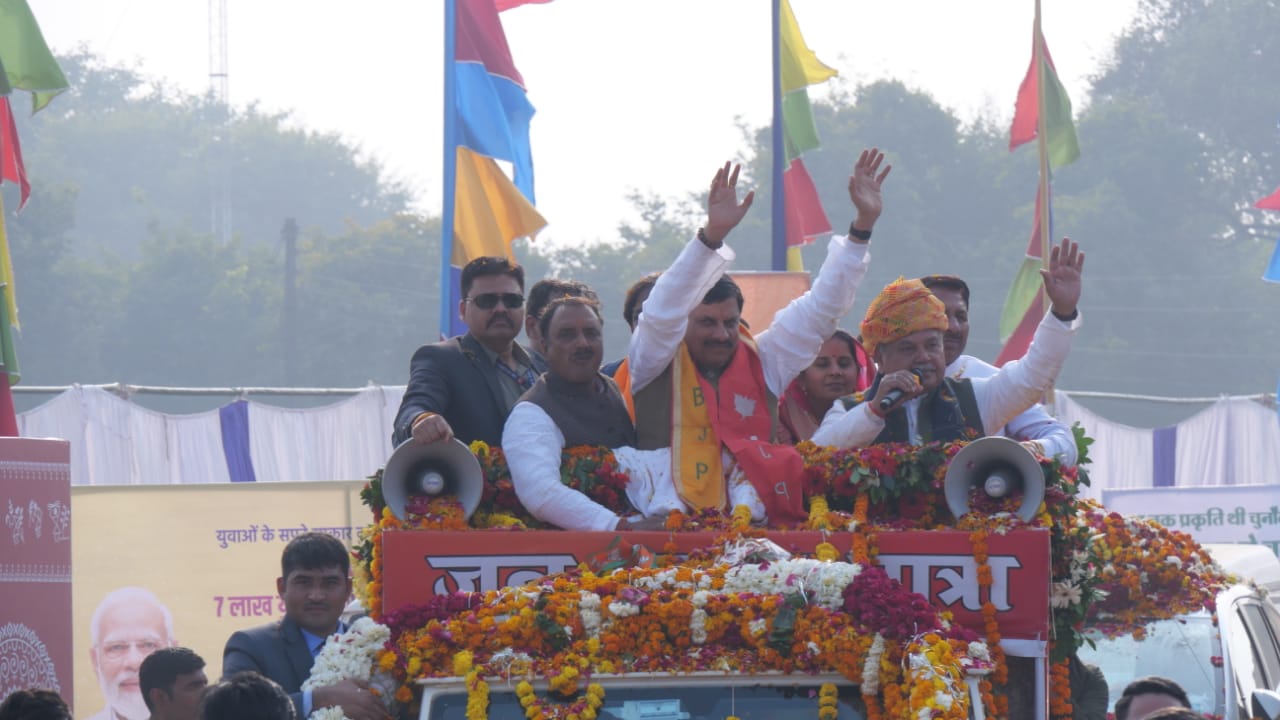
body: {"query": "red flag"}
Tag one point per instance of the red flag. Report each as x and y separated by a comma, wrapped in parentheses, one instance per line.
(508, 4)
(11, 167)
(1270, 202)
(1051, 101)
(1020, 340)
(805, 216)
(8, 416)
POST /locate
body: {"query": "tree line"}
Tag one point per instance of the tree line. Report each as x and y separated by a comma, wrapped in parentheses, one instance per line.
(118, 278)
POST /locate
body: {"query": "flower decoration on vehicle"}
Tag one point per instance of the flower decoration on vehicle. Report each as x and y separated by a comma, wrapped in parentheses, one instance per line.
(792, 614)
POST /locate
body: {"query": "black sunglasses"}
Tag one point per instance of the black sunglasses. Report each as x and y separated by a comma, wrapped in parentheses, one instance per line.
(489, 301)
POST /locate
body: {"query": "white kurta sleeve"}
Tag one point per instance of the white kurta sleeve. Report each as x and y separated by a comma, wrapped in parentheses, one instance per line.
(795, 337)
(848, 428)
(649, 488)
(1020, 384)
(533, 444)
(1035, 423)
(665, 316)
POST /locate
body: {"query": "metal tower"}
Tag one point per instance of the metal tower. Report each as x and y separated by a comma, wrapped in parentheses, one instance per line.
(219, 125)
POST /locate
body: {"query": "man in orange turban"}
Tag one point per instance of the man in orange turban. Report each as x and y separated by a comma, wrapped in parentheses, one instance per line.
(913, 401)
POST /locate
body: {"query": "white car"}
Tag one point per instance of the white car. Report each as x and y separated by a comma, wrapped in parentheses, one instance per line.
(1219, 667)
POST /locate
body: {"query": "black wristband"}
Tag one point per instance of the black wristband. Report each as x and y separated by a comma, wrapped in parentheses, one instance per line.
(1067, 318)
(860, 234)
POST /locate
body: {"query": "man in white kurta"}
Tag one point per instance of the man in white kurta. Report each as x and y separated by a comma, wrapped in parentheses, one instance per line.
(574, 404)
(904, 331)
(1035, 428)
(695, 309)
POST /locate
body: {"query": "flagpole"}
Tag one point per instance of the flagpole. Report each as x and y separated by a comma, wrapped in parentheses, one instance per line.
(1046, 210)
(1042, 134)
(447, 311)
(778, 211)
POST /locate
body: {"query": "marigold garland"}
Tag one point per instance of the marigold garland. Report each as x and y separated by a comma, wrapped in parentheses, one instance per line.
(1114, 572)
(1060, 690)
(790, 616)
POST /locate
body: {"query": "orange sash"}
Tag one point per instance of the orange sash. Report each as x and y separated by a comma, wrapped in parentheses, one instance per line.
(622, 377)
(733, 413)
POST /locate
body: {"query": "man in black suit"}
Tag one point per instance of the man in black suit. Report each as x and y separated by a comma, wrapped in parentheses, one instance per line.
(315, 583)
(465, 386)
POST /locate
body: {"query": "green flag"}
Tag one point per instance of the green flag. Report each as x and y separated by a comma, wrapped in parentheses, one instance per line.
(28, 64)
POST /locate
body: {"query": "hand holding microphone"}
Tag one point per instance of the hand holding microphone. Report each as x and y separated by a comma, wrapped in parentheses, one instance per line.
(894, 395)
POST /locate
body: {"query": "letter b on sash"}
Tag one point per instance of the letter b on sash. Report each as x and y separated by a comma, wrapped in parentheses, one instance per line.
(698, 400)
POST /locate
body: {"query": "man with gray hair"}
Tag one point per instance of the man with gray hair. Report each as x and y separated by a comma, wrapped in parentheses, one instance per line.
(128, 625)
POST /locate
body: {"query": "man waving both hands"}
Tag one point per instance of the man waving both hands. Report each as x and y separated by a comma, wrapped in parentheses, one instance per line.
(913, 401)
(705, 390)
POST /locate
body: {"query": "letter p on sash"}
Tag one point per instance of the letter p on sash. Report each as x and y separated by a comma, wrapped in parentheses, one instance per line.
(700, 469)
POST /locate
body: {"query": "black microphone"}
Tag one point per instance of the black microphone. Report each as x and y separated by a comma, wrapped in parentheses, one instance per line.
(894, 395)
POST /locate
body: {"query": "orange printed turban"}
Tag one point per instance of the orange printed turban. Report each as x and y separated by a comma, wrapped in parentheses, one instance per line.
(902, 307)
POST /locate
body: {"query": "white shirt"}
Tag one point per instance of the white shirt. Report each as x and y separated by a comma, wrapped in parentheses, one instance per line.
(1034, 424)
(787, 347)
(533, 445)
(1011, 390)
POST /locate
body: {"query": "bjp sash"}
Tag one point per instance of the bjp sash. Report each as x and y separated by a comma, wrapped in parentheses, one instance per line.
(733, 413)
(622, 377)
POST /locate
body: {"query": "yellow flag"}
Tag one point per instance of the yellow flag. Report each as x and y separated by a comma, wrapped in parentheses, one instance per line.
(6, 272)
(489, 211)
(800, 66)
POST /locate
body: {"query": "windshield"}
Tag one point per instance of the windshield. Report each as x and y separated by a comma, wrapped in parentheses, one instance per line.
(794, 702)
(1180, 648)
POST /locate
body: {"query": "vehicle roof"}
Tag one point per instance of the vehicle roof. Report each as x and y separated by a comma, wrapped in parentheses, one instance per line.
(1256, 563)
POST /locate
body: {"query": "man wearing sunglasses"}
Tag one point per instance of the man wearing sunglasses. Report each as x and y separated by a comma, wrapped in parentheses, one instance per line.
(465, 386)
(705, 388)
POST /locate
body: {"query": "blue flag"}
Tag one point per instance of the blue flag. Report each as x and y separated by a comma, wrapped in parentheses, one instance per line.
(1273, 270)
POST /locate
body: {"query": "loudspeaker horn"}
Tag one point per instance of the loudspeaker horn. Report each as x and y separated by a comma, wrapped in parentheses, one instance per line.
(998, 465)
(438, 468)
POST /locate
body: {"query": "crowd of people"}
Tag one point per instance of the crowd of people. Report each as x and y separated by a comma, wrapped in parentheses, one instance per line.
(701, 412)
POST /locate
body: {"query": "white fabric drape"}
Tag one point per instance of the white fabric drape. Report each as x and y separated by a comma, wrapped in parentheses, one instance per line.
(1121, 454)
(348, 440)
(1235, 441)
(115, 442)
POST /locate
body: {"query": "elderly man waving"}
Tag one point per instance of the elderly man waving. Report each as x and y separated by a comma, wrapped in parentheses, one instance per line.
(913, 401)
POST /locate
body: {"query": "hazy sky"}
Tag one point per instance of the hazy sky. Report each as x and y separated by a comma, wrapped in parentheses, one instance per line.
(643, 94)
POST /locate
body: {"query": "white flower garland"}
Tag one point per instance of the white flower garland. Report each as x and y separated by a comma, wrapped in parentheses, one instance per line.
(349, 656)
(822, 582)
(871, 667)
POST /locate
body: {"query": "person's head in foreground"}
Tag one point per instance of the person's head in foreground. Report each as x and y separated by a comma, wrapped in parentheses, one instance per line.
(34, 705)
(246, 696)
(1148, 694)
(172, 681)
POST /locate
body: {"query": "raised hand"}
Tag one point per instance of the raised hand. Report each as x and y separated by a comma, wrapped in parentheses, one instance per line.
(864, 187)
(724, 212)
(1062, 279)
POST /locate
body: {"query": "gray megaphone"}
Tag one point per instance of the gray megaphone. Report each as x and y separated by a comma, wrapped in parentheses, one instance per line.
(999, 466)
(438, 468)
